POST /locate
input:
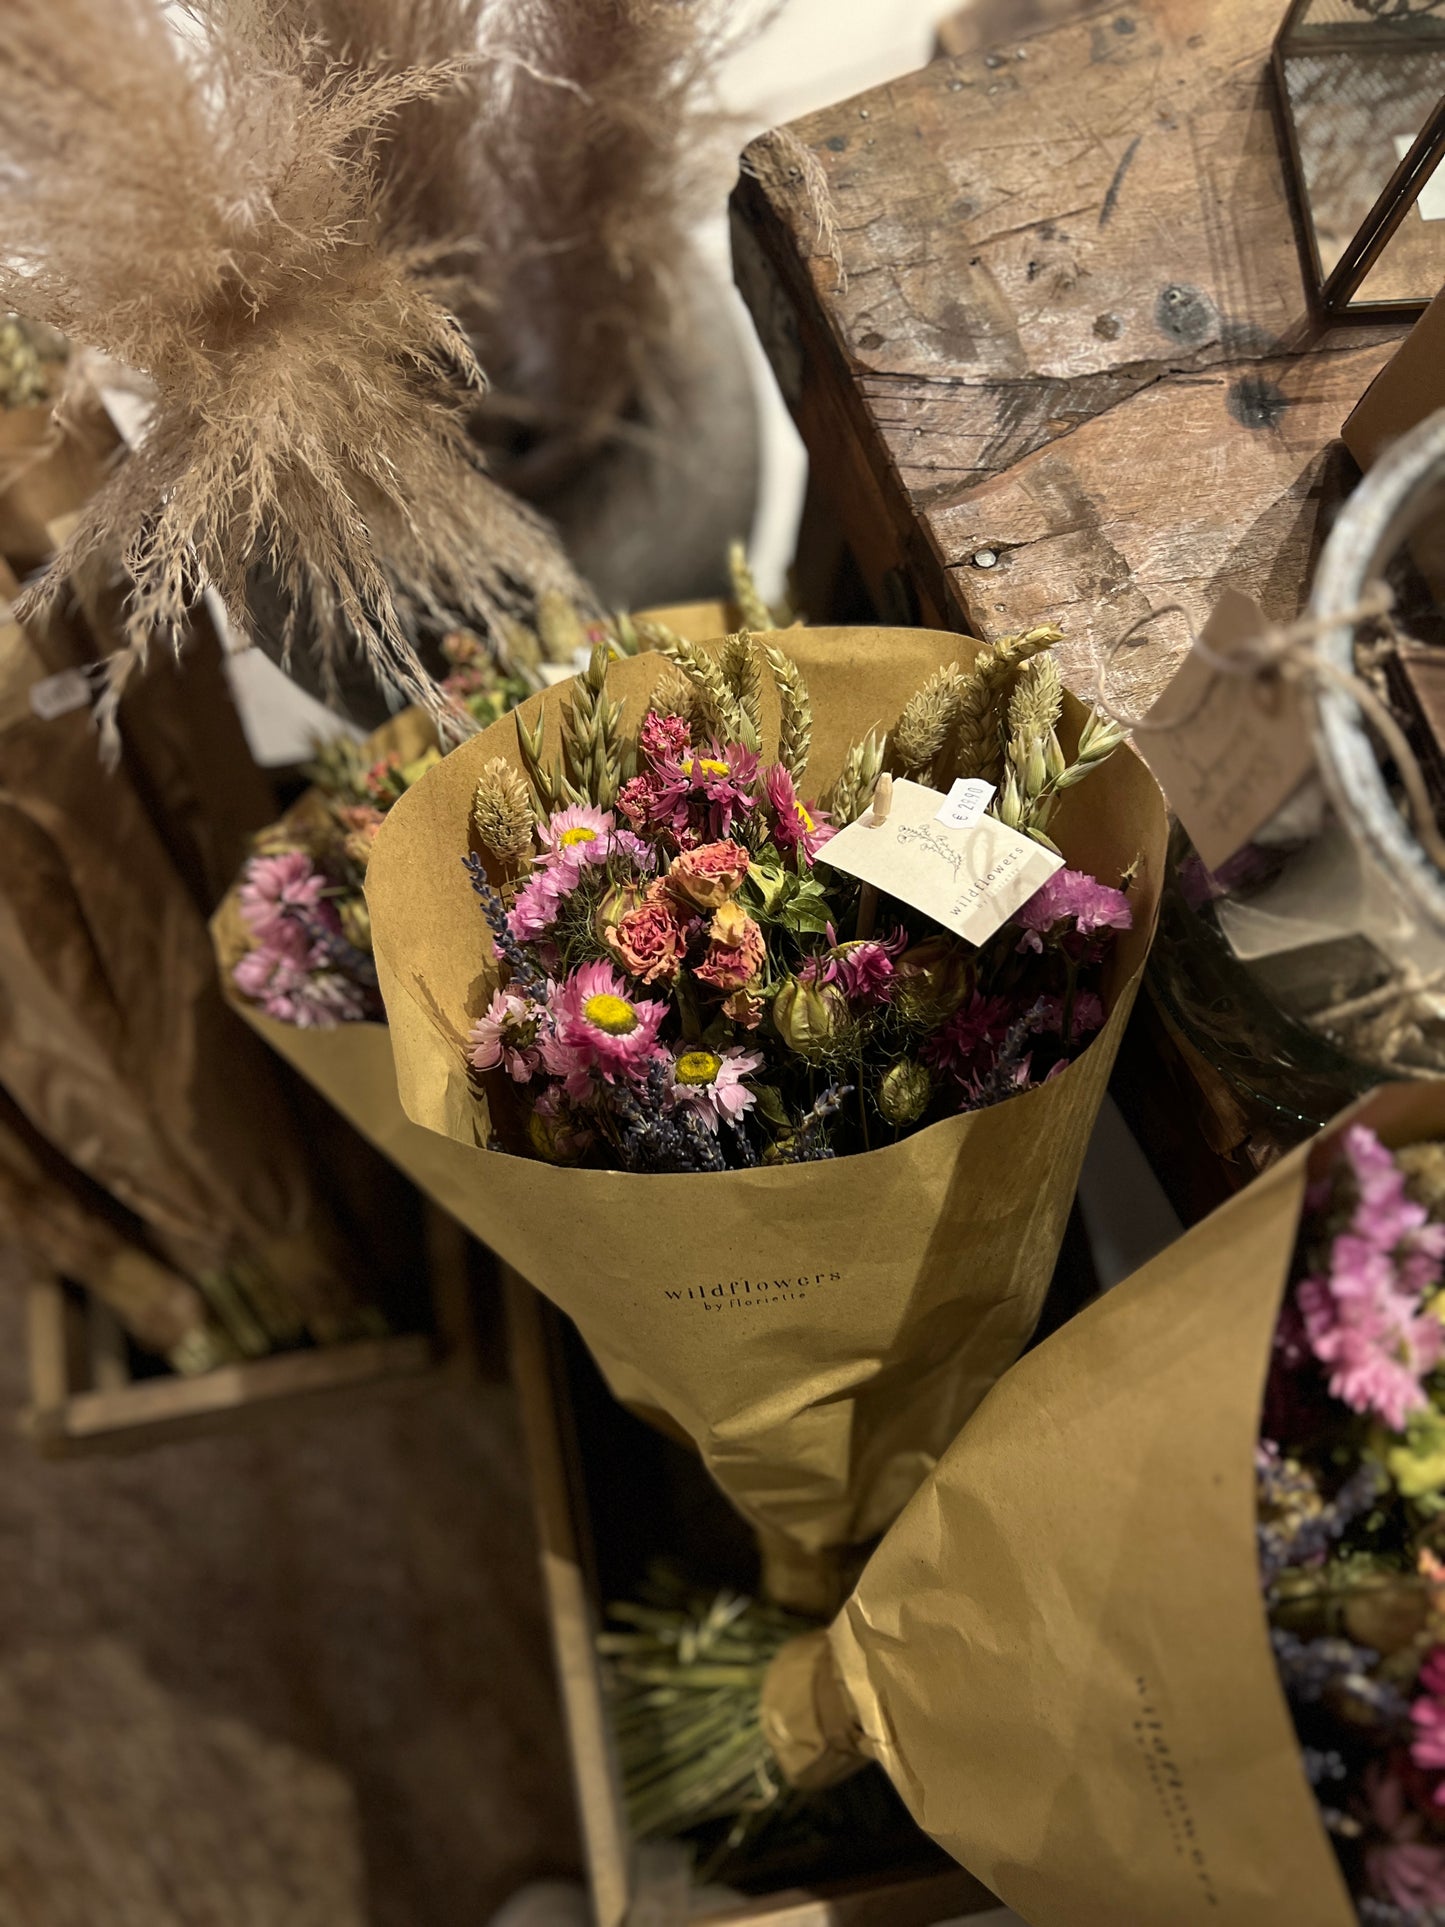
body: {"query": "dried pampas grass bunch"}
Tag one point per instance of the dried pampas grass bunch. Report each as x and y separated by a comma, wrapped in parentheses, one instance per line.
(557, 189)
(213, 209)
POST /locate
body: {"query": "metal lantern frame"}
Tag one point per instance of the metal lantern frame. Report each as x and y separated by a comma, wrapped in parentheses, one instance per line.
(1333, 292)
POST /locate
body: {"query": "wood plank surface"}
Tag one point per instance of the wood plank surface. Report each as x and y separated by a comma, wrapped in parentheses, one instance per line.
(1060, 364)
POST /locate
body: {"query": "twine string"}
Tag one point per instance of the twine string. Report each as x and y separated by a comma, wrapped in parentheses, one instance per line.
(1287, 651)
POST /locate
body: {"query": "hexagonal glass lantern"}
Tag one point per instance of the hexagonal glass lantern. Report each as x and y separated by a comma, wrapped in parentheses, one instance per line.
(1360, 97)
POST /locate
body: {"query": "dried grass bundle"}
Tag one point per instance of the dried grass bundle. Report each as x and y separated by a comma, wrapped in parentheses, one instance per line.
(213, 211)
(558, 187)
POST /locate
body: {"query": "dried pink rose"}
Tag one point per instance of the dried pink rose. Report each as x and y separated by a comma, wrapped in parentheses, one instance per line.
(709, 875)
(736, 950)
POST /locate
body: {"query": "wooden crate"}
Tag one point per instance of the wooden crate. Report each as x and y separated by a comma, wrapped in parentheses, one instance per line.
(85, 1396)
(643, 1884)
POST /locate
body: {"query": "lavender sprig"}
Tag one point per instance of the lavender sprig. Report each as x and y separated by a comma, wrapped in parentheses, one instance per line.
(1308, 1525)
(525, 975)
(1310, 1669)
(810, 1146)
(343, 953)
(654, 1139)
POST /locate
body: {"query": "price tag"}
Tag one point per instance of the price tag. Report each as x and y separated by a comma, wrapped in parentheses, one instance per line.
(966, 802)
(1228, 751)
(970, 880)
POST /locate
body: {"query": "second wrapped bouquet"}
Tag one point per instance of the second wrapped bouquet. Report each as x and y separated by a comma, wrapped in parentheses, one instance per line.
(794, 1156)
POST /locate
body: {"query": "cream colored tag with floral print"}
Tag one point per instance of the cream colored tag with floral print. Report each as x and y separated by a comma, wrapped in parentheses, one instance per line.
(970, 880)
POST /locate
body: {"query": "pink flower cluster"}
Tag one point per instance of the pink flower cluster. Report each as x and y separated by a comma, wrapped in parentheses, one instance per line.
(590, 1032)
(1070, 912)
(862, 970)
(289, 972)
(688, 795)
(1363, 1316)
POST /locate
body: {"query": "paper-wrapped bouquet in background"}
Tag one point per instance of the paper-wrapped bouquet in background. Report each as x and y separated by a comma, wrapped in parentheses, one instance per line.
(819, 1328)
(1162, 1637)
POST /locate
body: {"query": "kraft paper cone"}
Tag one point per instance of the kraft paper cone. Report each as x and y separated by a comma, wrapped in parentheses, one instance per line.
(819, 1331)
(1060, 1653)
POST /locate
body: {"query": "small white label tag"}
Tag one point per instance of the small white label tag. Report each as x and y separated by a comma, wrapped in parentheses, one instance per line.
(57, 695)
(966, 802)
(970, 880)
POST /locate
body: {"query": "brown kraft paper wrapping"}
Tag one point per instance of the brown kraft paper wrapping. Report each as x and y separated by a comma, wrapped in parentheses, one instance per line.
(114, 1042)
(1059, 1652)
(819, 1331)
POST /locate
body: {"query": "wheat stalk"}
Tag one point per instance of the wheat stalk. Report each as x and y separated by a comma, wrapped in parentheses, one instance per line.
(795, 728)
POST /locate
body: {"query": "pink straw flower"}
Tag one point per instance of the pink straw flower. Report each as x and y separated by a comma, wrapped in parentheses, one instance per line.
(576, 837)
(599, 1031)
(702, 793)
(506, 1034)
(710, 1083)
(286, 975)
(798, 828)
(969, 1040)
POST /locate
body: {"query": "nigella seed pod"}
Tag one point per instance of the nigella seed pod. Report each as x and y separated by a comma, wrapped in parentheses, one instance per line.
(903, 1091)
(930, 980)
(808, 1017)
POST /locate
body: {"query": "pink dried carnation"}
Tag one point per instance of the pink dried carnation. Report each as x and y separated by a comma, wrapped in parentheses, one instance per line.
(506, 1034)
(599, 1031)
(576, 837)
(1088, 1015)
(736, 951)
(663, 738)
(710, 1083)
(535, 907)
(1070, 908)
(707, 876)
(649, 940)
(798, 828)
(1388, 1218)
(277, 887)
